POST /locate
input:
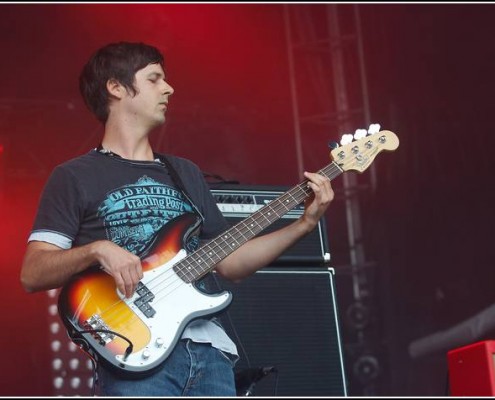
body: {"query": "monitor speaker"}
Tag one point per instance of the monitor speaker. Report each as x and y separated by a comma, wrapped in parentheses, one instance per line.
(285, 322)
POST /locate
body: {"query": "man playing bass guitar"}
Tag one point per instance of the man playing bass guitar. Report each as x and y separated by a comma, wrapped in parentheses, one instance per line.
(100, 214)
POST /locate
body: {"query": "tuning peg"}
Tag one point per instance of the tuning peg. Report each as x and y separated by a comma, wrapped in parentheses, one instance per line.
(374, 128)
(360, 133)
(346, 138)
(333, 145)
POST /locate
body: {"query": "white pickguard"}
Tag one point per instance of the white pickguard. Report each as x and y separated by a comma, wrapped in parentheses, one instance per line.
(176, 303)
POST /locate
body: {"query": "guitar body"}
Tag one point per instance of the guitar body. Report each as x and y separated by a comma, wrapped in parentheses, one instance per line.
(97, 316)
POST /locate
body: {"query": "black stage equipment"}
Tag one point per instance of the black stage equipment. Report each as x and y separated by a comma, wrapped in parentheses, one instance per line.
(285, 320)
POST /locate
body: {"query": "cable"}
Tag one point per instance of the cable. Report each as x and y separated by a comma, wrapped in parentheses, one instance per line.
(129, 349)
(247, 379)
(83, 344)
(94, 362)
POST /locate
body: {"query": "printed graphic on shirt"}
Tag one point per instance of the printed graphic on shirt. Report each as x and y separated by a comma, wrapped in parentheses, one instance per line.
(133, 214)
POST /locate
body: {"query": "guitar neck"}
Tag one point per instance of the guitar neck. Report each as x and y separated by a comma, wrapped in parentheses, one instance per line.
(203, 260)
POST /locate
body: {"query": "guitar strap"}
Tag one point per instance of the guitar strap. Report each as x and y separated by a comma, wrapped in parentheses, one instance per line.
(178, 181)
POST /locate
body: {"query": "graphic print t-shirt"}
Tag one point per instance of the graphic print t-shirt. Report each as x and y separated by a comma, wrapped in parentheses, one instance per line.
(133, 214)
(96, 197)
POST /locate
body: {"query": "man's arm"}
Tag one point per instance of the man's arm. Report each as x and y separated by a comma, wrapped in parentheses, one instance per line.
(46, 266)
(260, 251)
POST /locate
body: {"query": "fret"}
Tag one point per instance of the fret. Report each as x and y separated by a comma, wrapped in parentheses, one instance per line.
(239, 231)
(264, 216)
(187, 272)
(233, 243)
(253, 226)
(189, 268)
(213, 255)
(248, 226)
(286, 204)
(226, 253)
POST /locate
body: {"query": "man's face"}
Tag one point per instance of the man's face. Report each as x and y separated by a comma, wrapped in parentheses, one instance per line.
(149, 105)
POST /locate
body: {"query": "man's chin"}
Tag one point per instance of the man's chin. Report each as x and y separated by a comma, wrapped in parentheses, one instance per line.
(158, 122)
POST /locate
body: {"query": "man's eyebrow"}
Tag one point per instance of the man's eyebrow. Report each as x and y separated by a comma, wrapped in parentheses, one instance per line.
(156, 74)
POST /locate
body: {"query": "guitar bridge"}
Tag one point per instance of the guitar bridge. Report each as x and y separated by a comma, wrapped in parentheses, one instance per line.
(99, 330)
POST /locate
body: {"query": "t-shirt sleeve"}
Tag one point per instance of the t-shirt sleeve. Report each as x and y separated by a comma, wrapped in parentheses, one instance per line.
(59, 210)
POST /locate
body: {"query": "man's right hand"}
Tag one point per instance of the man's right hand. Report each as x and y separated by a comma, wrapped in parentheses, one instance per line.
(122, 265)
(47, 266)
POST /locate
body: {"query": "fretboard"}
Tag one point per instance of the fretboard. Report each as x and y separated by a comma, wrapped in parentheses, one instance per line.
(204, 259)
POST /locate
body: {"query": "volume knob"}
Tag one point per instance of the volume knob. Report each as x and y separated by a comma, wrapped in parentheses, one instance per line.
(146, 354)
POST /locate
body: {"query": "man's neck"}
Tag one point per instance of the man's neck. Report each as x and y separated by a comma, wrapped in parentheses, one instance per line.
(130, 148)
(129, 143)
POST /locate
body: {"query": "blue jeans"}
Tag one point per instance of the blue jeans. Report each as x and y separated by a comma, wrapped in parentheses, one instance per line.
(192, 369)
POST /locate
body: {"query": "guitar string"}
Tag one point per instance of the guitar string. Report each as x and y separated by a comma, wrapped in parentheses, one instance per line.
(212, 248)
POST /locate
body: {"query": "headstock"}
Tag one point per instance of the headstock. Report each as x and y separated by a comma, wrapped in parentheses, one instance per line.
(359, 150)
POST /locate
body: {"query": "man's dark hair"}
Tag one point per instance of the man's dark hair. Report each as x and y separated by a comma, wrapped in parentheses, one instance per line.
(119, 61)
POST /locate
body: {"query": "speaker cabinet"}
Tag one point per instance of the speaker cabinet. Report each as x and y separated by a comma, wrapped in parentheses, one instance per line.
(287, 318)
(472, 369)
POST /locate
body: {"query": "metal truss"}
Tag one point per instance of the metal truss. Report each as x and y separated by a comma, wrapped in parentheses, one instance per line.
(329, 92)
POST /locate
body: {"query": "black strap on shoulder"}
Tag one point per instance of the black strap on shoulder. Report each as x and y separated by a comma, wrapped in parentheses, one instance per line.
(177, 180)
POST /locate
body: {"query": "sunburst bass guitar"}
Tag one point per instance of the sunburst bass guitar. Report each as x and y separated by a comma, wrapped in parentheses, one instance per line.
(134, 336)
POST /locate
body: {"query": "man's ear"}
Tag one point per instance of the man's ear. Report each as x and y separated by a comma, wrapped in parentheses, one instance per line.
(115, 88)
